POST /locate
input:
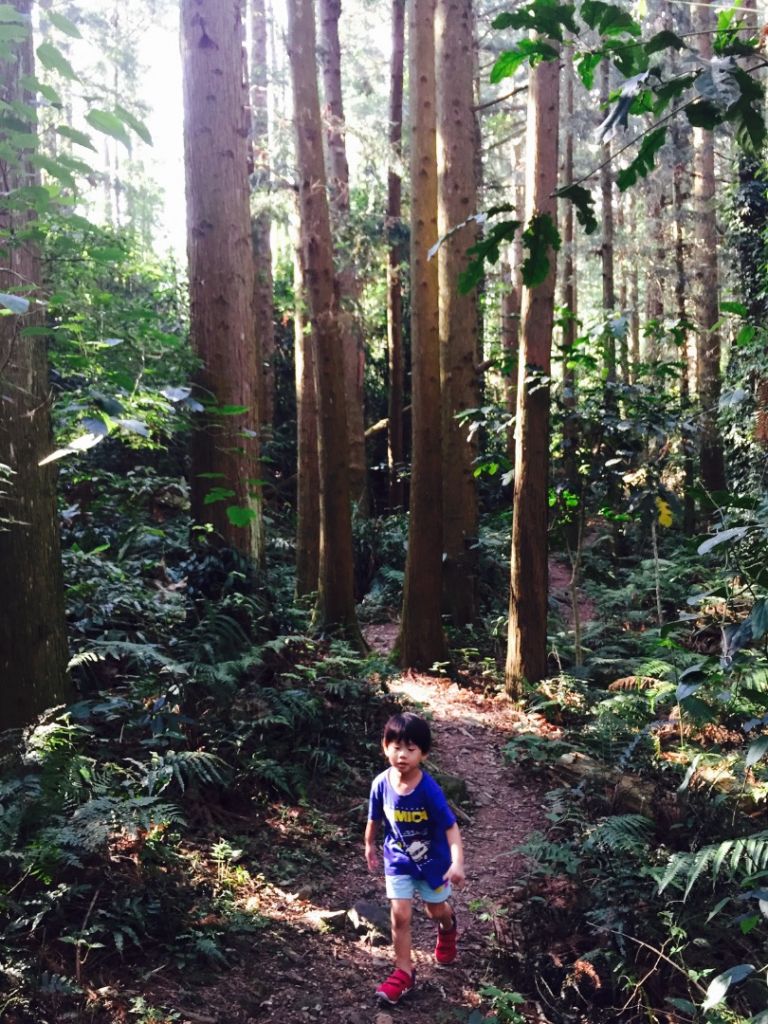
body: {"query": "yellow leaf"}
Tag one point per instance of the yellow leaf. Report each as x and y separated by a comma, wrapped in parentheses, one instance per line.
(665, 512)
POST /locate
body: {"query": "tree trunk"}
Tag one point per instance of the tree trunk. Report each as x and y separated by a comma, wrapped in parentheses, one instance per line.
(570, 413)
(707, 307)
(395, 254)
(225, 448)
(348, 278)
(33, 645)
(308, 470)
(528, 602)
(609, 287)
(262, 222)
(421, 641)
(458, 314)
(335, 599)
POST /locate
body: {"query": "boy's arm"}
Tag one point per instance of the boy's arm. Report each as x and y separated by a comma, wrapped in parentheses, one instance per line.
(371, 853)
(455, 873)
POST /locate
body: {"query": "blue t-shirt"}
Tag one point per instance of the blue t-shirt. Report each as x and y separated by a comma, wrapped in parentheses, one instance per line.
(414, 828)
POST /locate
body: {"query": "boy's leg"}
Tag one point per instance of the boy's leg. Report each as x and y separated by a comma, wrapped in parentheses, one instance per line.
(401, 913)
(442, 913)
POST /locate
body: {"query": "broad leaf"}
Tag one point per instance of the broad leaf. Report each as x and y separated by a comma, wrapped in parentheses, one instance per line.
(608, 19)
(109, 124)
(703, 114)
(33, 84)
(719, 986)
(547, 17)
(16, 303)
(134, 123)
(586, 65)
(487, 249)
(532, 51)
(644, 161)
(54, 168)
(724, 537)
(76, 136)
(239, 515)
(63, 24)
(51, 57)
(539, 236)
(759, 618)
(584, 202)
(79, 444)
(756, 751)
(662, 40)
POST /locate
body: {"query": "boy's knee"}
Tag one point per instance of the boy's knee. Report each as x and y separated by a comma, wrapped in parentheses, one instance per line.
(401, 912)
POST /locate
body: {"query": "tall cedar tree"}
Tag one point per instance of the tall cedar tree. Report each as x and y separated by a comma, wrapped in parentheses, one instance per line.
(395, 255)
(225, 446)
(570, 299)
(528, 600)
(33, 647)
(348, 284)
(335, 602)
(706, 300)
(308, 469)
(421, 641)
(262, 222)
(458, 314)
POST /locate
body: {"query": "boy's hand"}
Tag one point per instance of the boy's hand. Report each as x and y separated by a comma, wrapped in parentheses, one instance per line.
(372, 858)
(455, 875)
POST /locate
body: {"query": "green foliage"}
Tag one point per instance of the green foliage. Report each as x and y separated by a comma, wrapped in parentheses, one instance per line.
(643, 163)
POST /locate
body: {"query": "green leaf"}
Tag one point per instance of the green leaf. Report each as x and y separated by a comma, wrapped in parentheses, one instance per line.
(671, 90)
(719, 986)
(54, 168)
(547, 17)
(584, 202)
(134, 123)
(51, 57)
(218, 494)
(757, 750)
(644, 161)
(586, 65)
(487, 249)
(13, 32)
(662, 40)
(733, 307)
(16, 303)
(9, 13)
(76, 136)
(531, 50)
(63, 24)
(33, 84)
(240, 515)
(539, 236)
(703, 114)
(109, 124)
(608, 19)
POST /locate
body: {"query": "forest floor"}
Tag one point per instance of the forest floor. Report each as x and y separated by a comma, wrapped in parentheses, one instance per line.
(310, 963)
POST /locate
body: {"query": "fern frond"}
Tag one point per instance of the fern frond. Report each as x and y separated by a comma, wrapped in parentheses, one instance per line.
(634, 683)
(621, 833)
(749, 853)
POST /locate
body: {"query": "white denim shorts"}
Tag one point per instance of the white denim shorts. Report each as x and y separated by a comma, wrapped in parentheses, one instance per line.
(403, 887)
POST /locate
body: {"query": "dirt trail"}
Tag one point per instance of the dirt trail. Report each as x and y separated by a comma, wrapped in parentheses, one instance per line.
(321, 974)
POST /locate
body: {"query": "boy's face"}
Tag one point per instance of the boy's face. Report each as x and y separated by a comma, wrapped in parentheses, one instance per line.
(405, 756)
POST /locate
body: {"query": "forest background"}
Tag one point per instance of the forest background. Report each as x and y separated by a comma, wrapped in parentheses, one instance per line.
(470, 340)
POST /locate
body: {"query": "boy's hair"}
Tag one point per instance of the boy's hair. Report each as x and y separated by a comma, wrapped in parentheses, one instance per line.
(408, 728)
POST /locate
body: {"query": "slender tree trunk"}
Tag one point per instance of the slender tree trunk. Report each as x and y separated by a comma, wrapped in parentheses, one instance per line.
(262, 222)
(335, 602)
(458, 315)
(513, 303)
(421, 641)
(527, 639)
(707, 305)
(348, 279)
(308, 470)
(33, 645)
(609, 287)
(225, 448)
(570, 423)
(395, 255)
(634, 296)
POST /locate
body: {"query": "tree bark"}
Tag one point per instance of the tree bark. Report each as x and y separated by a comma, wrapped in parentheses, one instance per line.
(421, 641)
(458, 314)
(33, 645)
(348, 281)
(308, 470)
(395, 255)
(262, 222)
(528, 603)
(707, 306)
(225, 448)
(335, 612)
(570, 415)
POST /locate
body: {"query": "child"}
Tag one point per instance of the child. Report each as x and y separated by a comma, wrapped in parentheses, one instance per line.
(422, 847)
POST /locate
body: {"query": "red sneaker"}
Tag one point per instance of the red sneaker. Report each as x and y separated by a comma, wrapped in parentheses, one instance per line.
(397, 985)
(445, 947)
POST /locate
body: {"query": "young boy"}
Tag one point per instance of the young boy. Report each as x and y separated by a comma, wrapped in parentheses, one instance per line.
(422, 847)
